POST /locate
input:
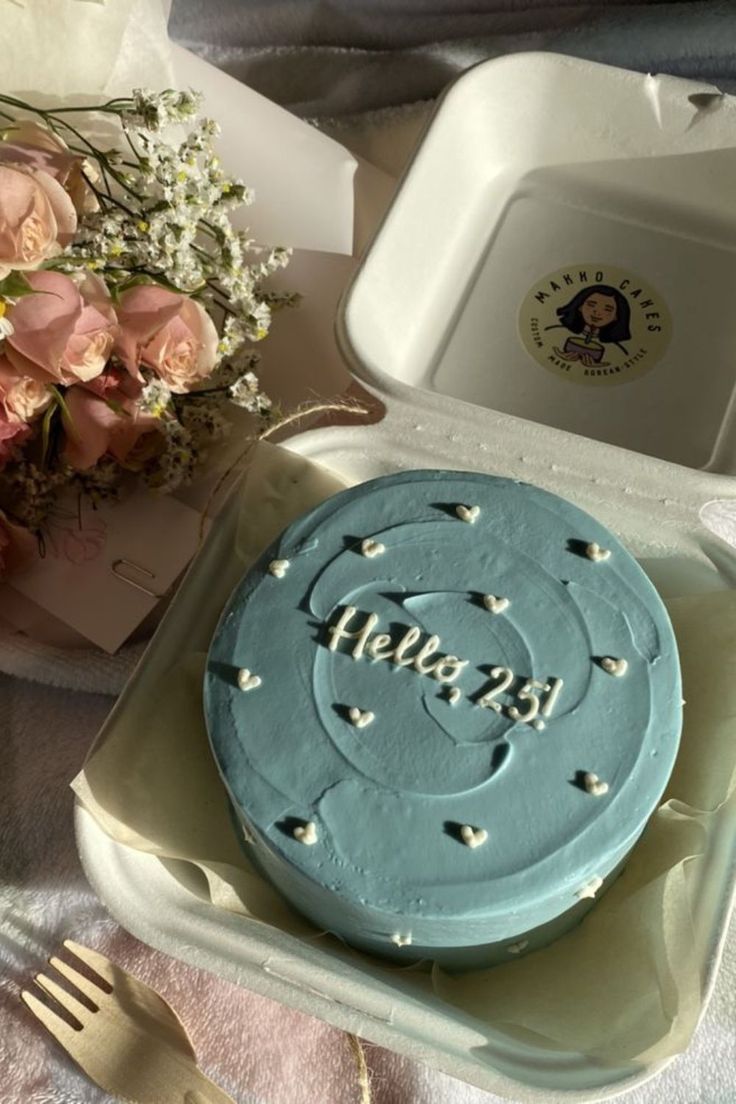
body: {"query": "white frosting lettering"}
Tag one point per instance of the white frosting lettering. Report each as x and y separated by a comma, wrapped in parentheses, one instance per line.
(410, 637)
(429, 648)
(454, 695)
(339, 631)
(451, 665)
(528, 695)
(506, 675)
(378, 642)
(445, 669)
(553, 689)
(525, 695)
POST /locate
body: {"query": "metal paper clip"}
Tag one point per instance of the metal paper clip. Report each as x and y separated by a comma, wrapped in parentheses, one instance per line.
(122, 563)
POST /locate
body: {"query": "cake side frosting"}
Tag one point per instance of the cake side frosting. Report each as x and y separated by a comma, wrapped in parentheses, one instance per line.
(445, 705)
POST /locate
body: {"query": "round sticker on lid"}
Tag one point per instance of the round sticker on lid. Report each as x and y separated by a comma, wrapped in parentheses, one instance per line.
(595, 324)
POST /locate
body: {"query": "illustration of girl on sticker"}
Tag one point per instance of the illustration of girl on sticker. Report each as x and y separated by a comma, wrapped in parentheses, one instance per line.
(596, 316)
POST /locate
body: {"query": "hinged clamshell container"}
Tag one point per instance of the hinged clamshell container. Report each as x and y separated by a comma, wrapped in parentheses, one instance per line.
(548, 298)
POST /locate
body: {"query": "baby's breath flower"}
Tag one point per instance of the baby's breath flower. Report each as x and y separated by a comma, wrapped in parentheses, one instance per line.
(203, 418)
(30, 490)
(155, 110)
(161, 214)
(246, 393)
(155, 397)
(175, 465)
(101, 483)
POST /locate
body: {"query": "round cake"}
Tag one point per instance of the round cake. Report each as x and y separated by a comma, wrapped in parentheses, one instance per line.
(444, 706)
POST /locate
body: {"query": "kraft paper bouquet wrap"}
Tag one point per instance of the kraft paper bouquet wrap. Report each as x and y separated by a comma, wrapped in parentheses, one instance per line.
(625, 987)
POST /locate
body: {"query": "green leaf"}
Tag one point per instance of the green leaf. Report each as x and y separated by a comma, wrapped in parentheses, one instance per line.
(66, 418)
(46, 431)
(15, 286)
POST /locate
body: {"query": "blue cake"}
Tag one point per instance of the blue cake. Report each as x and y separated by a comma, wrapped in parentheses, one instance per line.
(444, 706)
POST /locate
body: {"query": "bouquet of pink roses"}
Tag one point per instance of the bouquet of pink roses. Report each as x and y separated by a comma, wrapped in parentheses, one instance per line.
(129, 304)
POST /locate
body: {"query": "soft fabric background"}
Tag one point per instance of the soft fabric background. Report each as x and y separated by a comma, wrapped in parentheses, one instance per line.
(337, 57)
(364, 66)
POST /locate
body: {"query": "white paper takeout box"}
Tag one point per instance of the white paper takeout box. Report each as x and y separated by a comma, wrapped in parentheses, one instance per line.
(530, 164)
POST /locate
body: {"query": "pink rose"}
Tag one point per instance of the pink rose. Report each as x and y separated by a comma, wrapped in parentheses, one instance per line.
(96, 428)
(21, 397)
(33, 146)
(115, 384)
(60, 336)
(17, 546)
(37, 217)
(12, 434)
(169, 333)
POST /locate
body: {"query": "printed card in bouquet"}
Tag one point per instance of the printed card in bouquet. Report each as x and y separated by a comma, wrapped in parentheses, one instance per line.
(102, 571)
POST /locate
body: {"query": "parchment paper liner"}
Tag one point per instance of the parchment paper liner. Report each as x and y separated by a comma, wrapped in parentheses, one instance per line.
(624, 986)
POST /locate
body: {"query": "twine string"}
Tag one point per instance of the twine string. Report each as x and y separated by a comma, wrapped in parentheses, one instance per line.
(358, 1053)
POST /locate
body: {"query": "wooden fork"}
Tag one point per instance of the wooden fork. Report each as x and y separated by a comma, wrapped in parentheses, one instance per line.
(132, 1044)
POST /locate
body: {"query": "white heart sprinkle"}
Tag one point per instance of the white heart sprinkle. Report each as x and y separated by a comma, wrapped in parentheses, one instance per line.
(590, 889)
(615, 667)
(306, 833)
(454, 694)
(517, 948)
(595, 553)
(468, 513)
(359, 718)
(371, 548)
(401, 940)
(247, 681)
(494, 604)
(278, 568)
(474, 837)
(594, 786)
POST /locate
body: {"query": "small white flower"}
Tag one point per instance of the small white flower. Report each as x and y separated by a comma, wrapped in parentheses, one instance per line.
(245, 392)
(155, 397)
